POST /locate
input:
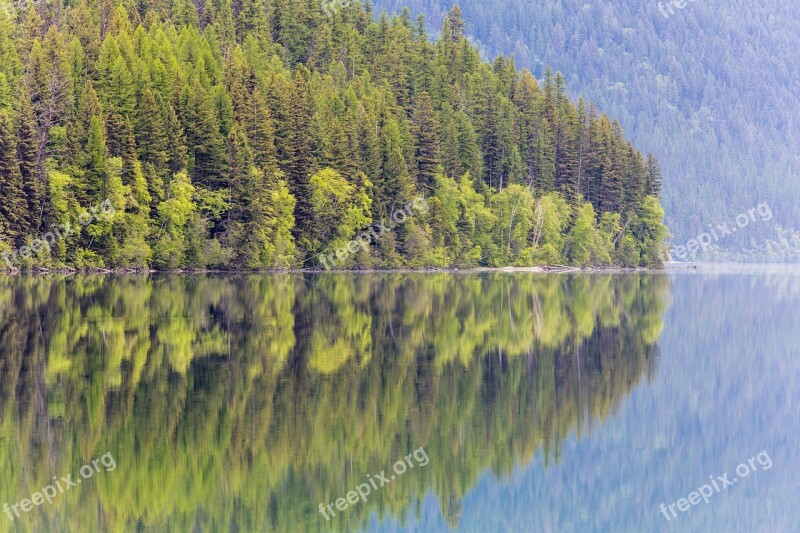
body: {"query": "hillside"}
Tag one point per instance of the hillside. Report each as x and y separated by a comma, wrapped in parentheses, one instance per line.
(254, 136)
(712, 89)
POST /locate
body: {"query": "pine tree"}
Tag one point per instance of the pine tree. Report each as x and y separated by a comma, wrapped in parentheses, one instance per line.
(260, 132)
(152, 140)
(526, 94)
(582, 146)
(205, 143)
(239, 191)
(177, 144)
(298, 168)
(546, 159)
(49, 86)
(114, 80)
(653, 176)
(567, 140)
(490, 142)
(426, 142)
(423, 72)
(95, 178)
(11, 69)
(393, 186)
(184, 13)
(597, 156)
(611, 190)
(32, 185)
(634, 179)
(152, 143)
(13, 206)
(252, 22)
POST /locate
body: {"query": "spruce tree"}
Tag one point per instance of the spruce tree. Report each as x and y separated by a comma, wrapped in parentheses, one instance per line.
(13, 206)
(32, 184)
(205, 143)
(426, 142)
(177, 143)
(490, 142)
(546, 159)
(653, 176)
(611, 188)
(95, 176)
(152, 138)
(298, 168)
(260, 132)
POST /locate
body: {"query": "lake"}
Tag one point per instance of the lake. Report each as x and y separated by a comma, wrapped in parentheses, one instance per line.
(401, 402)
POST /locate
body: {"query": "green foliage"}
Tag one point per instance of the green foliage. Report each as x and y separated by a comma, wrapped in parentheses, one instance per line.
(342, 209)
(651, 231)
(550, 220)
(256, 136)
(281, 251)
(583, 236)
(514, 209)
(174, 215)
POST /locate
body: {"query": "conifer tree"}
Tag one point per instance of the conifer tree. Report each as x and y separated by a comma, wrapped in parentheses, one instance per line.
(426, 142)
(152, 142)
(94, 186)
(204, 141)
(177, 144)
(298, 168)
(490, 142)
(546, 159)
(653, 186)
(32, 184)
(260, 132)
(13, 207)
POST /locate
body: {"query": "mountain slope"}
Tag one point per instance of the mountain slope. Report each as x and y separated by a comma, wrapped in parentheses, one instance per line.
(712, 89)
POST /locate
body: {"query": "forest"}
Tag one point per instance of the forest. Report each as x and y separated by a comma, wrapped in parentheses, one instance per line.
(258, 134)
(711, 90)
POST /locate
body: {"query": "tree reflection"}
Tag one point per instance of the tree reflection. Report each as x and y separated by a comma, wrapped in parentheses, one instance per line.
(240, 403)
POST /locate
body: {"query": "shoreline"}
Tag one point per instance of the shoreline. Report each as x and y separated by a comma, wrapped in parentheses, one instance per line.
(547, 269)
(667, 268)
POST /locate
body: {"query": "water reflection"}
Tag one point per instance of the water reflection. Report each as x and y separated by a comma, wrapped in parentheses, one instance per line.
(241, 403)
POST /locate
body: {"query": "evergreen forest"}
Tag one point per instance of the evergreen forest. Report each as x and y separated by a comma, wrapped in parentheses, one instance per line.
(264, 134)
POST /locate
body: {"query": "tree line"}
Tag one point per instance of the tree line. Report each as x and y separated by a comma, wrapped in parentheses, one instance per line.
(691, 87)
(263, 135)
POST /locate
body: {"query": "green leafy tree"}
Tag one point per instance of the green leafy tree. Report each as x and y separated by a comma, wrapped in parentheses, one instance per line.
(342, 209)
(514, 209)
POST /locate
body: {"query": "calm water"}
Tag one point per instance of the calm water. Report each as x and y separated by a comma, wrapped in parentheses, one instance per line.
(514, 402)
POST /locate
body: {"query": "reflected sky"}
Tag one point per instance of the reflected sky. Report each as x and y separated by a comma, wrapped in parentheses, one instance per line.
(727, 388)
